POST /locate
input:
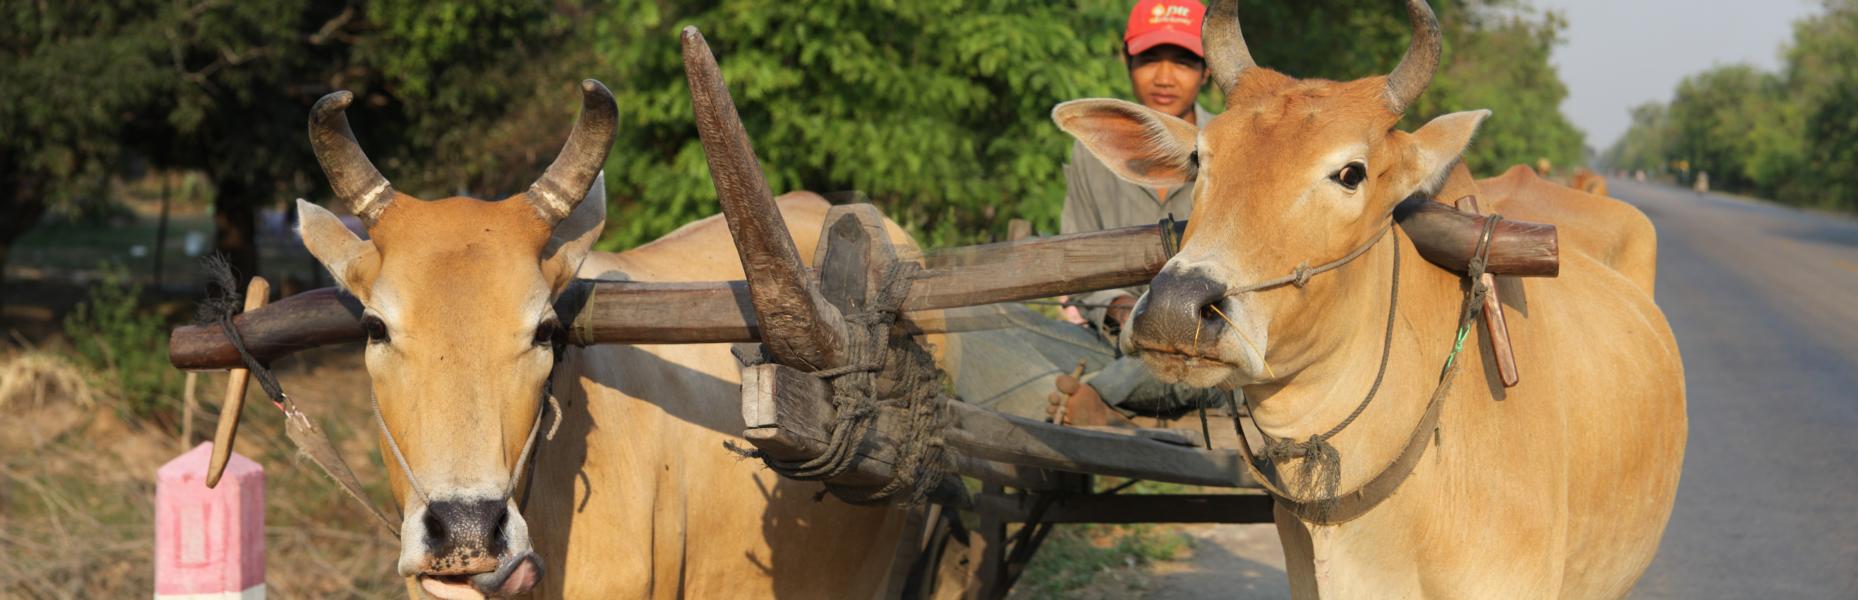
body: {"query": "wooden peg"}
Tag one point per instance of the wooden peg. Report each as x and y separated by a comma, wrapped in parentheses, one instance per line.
(1493, 316)
(257, 293)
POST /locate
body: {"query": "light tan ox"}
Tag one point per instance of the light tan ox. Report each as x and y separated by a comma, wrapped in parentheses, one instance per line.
(635, 497)
(1560, 487)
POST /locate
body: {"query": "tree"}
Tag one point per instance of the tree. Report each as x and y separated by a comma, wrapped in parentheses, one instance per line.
(941, 112)
(74, 69)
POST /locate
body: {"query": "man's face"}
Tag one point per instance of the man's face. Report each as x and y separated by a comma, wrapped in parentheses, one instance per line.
(1167, 78)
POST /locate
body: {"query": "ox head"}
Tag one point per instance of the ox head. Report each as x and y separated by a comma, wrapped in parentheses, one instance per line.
(1294, 172)
(462, 336)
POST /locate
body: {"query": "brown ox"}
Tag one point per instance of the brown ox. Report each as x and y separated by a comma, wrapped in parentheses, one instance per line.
(1588, 181)
(635, 496)
(1560, 487)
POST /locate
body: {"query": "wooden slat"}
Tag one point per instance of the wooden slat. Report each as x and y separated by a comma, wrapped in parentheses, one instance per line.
(629, 312)
(1131, 508)
(787, 414)
(787, 407)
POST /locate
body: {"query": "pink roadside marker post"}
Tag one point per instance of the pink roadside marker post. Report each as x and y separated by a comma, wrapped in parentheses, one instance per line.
(209, 542)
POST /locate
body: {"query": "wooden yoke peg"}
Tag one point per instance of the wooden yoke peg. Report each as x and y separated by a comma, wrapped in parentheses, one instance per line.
(1493, 316)
(257, 293)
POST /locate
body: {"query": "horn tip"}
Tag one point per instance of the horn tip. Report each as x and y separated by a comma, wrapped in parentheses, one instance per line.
(336, 100)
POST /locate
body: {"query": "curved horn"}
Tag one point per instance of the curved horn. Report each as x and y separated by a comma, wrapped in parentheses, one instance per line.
(565, 183)
(256, 294)
(350, 173)
(1226, 53)
(1410, 79)
(798, 327)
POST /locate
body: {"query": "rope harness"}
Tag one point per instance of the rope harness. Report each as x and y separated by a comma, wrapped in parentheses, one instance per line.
(314, 444)
(1322, 462)
(880, 375)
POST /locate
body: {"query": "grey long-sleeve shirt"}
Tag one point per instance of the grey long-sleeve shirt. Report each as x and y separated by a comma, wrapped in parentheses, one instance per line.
(1097, 199)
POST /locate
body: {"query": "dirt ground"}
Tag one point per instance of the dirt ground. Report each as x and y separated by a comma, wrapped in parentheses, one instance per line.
(77, 488)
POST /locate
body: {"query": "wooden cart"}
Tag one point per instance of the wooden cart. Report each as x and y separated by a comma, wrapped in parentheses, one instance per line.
(1031, 474)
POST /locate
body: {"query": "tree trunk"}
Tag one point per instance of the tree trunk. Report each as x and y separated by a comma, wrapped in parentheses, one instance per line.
(23, 212)
(161, 231)
(235, 226)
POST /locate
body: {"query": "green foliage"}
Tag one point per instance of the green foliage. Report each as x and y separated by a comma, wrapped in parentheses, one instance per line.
(73, 69)
(1074, 554)
(1791, 136)
(940, 112)
(127, 347)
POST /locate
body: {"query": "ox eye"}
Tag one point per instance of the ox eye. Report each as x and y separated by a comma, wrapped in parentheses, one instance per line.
(377, 330)
(548, 332)
(1351, 176)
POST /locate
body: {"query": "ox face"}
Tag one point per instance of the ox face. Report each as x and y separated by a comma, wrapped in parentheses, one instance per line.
(462, 338)
(1293, 173)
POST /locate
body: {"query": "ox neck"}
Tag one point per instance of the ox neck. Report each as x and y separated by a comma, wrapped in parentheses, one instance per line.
(1317, 397)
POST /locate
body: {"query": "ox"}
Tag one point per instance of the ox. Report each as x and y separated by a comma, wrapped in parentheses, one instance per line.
(1588, 181)
(635, 495)
(1560, 487)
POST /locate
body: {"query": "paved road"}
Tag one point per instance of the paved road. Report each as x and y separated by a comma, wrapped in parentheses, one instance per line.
(1764, 301)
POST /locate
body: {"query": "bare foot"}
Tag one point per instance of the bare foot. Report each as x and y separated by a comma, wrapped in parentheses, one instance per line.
(1076, 403)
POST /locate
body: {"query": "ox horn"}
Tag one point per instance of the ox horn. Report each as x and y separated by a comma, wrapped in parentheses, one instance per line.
(350, 173)
(1415, 71)
(797, 327)
(1226, 53)
(565, 183)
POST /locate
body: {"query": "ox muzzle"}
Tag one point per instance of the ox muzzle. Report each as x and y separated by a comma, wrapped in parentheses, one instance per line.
(469, 548)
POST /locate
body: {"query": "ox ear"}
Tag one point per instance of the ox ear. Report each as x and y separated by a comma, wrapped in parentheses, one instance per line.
(1138, 143)
(1437, 148)
(574, 236)
(351, 260)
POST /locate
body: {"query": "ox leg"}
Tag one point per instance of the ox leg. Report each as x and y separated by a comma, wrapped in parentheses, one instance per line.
(987, 554)
(1299, 554)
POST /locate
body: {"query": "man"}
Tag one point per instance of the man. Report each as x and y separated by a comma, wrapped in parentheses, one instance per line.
(1163, 52)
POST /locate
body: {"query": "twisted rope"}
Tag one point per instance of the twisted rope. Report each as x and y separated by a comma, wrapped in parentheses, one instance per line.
(880, 376)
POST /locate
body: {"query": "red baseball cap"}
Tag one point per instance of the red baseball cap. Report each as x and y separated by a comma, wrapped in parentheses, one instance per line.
(1157, 22)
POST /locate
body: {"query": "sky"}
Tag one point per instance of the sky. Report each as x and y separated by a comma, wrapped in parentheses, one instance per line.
(1618, 54)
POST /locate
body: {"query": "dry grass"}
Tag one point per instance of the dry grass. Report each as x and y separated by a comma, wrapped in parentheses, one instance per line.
(36, 375)
(77, 485)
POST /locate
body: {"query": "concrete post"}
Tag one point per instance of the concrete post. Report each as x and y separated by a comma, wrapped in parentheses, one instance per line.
(209, 542)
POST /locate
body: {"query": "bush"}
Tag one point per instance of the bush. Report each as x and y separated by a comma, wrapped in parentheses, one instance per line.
(126, 347)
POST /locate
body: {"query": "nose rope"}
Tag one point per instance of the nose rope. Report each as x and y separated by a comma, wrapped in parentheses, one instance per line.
(522, 461)
(1302, 273)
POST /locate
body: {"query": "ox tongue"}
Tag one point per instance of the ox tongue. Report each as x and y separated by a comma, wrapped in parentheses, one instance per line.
(445, 590)
(520, 580)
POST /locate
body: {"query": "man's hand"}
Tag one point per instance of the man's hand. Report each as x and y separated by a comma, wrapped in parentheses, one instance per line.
(1082, 405)
(1118, 312)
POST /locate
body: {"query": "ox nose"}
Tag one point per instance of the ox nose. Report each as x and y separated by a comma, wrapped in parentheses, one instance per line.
(465, 536)
(1180, 313)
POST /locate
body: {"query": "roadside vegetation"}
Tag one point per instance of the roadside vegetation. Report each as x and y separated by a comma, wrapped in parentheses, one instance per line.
(159, 130)
(1790, 135)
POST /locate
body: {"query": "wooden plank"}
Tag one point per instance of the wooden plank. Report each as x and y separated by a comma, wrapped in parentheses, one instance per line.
(784, 406)
(981, 433)
(788, 413)
(633, 312)
(1039, 268)
(1131, 508)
